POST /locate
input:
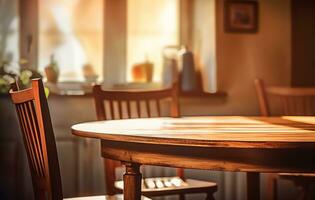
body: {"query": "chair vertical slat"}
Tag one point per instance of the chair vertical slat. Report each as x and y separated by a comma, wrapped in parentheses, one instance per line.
(120, 109)
(28, 136)
(138, 108)
(285, 105)
(128, 108)
(147, 103)
(158, 108)
(290, 106)
(298, 105)
(35, 140)
(262, 97)
(106, 111)
(25, 136)
(37, 134)
(99, 103)
(103, 114)
(311, 101)
(311, 108)
(111, 108)
(307, 106)
(302, 106)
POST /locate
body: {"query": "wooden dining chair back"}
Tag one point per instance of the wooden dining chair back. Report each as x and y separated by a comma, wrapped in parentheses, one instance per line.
(119, 104)
(113, 104)
(34, 118)
(293, 101)
(39, 141)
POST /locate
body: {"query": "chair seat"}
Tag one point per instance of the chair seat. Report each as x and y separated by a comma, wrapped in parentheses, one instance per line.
(172, 185)
(106, 197)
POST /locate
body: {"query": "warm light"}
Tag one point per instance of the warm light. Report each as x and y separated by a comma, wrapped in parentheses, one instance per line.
(73, 32)
(152, 25)
(9, 37)
(305, 119)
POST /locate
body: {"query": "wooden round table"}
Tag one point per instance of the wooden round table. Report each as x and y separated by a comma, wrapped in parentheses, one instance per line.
(246, 144)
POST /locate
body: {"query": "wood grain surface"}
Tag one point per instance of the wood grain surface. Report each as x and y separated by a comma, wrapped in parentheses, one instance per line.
(232, 131)
(234, 143)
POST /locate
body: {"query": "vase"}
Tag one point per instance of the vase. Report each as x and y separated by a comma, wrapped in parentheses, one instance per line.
(143, 72)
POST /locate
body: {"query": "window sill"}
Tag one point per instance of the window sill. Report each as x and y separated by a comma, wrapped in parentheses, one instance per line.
(202, 94)
(82, 89)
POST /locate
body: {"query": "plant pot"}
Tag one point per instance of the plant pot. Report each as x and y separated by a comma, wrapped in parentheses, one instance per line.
(51, 74)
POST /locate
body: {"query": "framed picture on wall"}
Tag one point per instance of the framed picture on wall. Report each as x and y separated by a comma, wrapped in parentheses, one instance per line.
(241, 16)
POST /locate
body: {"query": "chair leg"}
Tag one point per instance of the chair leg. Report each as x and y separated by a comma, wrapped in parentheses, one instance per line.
(210, 196)
(275, 188)
(302, 195)
(304, 192)
(272, 187)
(109, 172)
(309, 192)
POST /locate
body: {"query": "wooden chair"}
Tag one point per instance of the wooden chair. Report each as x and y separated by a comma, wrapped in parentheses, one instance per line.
(144, 103)
(39, 141)
(294, 101)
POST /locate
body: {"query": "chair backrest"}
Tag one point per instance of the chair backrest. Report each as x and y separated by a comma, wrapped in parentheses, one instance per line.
(39, 141)
(131, 99)
(294, 101)
(151, 99)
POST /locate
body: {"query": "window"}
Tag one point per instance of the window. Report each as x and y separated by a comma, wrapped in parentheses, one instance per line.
(151, 26)
(71, 32)
(204, 42)
(9, 33)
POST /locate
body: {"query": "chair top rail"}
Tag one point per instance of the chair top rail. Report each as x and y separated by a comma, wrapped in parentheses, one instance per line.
(22, 96)
(133, 95)
(289, 91)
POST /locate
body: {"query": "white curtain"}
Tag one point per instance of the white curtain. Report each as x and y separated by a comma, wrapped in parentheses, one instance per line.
(152, 25)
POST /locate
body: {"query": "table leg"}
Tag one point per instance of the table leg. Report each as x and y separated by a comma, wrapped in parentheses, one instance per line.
(132, 182)
(109, 171)
(253, 186)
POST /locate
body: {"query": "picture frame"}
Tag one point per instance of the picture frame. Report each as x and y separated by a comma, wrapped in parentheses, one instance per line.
(241, 16)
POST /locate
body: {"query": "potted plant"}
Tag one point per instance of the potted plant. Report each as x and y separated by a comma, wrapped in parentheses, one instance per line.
(52, 70)
(9, 75)
(10, 138)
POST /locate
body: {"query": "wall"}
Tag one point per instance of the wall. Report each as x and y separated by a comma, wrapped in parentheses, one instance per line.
(266, 54)
(303, 43)
(242, 57)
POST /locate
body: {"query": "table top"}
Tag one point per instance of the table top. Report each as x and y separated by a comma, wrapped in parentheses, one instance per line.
(206, 131)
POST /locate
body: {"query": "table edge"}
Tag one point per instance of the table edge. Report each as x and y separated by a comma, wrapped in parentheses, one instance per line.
(196, 143)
